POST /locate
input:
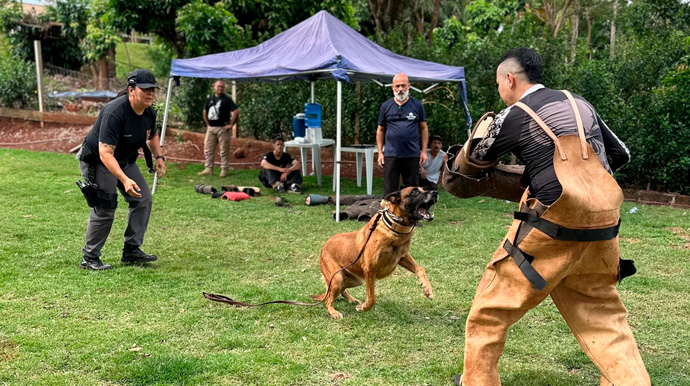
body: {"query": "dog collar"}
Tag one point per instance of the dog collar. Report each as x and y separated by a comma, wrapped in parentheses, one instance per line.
(392, 223)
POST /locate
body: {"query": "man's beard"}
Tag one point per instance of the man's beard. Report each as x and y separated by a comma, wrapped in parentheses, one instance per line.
(402, 95)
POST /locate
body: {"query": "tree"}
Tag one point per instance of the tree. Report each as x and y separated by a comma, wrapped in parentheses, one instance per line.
(220, 33)
(553, 13)
(387, 13)
(99, 43)
(263, 18)
(60, 29)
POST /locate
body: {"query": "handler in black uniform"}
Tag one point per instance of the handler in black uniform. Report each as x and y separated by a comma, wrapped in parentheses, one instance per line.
(108, 159)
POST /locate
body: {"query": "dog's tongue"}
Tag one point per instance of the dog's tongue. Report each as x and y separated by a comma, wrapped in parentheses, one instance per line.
(425, 214)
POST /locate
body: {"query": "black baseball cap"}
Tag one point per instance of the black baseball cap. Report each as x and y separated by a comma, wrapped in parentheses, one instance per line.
(141, 78)
(436, 138)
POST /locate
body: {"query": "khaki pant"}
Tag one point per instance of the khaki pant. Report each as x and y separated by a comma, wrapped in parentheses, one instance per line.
(217, 135)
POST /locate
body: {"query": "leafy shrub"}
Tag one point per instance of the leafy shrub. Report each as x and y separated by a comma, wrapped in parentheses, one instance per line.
(190, 99)
(17, 83)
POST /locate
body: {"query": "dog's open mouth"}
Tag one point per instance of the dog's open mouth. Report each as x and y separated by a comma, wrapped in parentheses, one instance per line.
(425, 210)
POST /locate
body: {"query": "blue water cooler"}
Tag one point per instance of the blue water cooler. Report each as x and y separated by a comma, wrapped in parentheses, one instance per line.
(298, 126)
(312, 114)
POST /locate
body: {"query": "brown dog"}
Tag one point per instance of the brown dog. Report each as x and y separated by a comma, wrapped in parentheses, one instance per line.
(388, 247)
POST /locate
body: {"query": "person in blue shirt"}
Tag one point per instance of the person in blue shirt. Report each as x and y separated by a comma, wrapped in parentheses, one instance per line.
(402, 128)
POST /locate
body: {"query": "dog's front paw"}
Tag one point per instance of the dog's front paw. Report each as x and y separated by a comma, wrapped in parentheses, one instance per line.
(429, 293)
(336, 315)
(362, 307)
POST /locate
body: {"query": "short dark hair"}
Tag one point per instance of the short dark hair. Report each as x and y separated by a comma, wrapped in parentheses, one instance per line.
(435, 138)
(278, 138)
(529, 60)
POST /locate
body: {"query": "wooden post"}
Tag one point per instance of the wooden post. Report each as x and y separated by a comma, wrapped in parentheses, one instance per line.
(39, 76)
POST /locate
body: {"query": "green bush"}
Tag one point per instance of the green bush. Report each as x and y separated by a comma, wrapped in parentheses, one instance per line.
(190, 98)
(664, 157)
(17, 83)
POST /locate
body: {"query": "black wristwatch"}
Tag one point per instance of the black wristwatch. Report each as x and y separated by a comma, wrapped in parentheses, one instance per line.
(160, 157)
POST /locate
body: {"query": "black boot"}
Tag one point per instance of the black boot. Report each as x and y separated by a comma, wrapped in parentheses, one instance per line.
(134, 255)
(93, 263)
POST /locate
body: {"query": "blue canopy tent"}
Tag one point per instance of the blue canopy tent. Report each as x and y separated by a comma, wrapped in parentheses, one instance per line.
(319, 48)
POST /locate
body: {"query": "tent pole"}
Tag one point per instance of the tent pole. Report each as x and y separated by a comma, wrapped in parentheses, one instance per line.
(312, 91)
(165, 123)
(336, 170)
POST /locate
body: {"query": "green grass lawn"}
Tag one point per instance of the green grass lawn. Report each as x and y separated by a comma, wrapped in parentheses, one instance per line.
(60, 325)
(129, 57)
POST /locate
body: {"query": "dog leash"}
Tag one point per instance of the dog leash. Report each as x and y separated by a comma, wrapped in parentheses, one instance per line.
(238, 304)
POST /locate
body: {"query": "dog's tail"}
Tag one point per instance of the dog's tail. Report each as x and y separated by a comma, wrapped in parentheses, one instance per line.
(319, 297)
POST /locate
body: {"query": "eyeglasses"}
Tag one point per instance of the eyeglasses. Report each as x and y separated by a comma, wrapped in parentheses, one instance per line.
(399, 111)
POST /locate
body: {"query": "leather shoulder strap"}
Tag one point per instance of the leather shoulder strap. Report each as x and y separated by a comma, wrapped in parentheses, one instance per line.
(541, 124)
(580, 128)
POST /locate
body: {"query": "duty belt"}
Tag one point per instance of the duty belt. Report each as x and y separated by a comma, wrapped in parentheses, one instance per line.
(556, 232)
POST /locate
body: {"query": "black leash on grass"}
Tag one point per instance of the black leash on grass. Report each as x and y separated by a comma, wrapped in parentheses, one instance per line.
(238, 304)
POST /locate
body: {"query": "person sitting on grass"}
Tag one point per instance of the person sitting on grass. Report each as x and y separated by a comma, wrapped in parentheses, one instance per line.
(279, 169)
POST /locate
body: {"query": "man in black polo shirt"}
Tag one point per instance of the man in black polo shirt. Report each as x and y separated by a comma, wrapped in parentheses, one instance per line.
(402, 126)
(279, 169)
(108, 159)
(220, 114)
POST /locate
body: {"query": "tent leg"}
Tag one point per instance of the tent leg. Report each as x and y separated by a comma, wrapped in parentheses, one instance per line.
(336, 170)
(165, 124)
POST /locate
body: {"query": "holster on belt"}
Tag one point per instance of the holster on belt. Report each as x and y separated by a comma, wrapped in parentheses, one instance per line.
(90, 192)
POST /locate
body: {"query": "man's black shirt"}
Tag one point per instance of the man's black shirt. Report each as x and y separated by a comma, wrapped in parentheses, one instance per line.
(120, 126)
(284, 161)
(218, 109)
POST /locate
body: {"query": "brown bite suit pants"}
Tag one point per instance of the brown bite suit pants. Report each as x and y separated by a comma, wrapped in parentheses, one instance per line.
(580, 276)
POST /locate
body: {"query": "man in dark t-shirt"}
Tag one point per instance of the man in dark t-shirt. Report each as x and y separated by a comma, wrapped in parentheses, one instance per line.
(220, 114)
(108, 159)
(402, 127)
(279, 169)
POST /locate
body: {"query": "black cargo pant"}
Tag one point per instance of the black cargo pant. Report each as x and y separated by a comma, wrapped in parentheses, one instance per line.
(393, 168)
(102, 216)
(269, 177)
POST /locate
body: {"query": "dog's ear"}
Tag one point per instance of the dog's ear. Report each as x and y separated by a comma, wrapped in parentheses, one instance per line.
(393, 198)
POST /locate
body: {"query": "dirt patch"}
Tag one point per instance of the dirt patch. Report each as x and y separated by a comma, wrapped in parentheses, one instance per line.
(685, 234)
(186, 147)
(8, 350)
(180, 146)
